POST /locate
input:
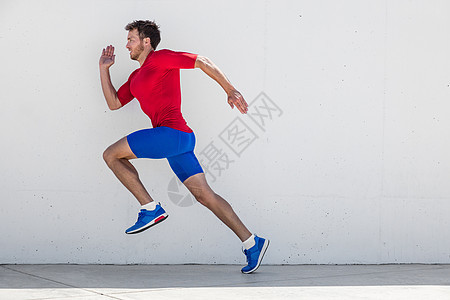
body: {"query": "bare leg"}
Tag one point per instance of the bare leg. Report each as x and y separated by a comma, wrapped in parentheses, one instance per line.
(116, 157)
(198, 186)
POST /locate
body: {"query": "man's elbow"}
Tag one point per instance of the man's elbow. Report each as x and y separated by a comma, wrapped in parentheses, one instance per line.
(202, 62)
(114, 106)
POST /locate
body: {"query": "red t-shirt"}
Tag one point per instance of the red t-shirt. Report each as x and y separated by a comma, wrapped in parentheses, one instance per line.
(156, 85)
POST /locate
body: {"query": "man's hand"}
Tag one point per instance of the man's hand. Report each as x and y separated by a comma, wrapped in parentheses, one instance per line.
(110, 93)
(107, 58)
(235, 99)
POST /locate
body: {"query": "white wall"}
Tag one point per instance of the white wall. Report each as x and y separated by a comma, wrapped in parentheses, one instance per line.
(352, 168)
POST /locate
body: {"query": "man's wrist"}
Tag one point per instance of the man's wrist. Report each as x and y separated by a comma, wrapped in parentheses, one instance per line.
(104, 68)
(230, 89)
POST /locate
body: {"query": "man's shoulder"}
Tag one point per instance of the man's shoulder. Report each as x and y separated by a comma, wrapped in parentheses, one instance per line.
(163, 51)
(134, 72)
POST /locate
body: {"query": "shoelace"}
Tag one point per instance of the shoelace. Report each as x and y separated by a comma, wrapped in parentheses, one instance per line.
(140, 215)
(247, 255)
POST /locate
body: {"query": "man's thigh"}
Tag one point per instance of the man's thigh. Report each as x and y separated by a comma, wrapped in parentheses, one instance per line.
(120, 149)
(185, 165)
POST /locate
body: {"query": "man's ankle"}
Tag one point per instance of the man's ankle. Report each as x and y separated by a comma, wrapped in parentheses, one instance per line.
(149, 206)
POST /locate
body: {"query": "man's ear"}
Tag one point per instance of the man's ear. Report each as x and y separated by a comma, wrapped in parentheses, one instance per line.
(147, 41)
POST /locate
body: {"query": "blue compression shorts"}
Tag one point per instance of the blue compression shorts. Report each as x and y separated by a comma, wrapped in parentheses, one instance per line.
(164, 142)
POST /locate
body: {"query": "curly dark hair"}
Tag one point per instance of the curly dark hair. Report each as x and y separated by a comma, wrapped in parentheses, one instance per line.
(146, 29)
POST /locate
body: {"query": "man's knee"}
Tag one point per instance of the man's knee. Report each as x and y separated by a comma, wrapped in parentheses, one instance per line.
(203, 195)
(109, 156)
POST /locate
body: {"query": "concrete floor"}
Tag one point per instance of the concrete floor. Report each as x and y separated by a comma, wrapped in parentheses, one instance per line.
(224, 282)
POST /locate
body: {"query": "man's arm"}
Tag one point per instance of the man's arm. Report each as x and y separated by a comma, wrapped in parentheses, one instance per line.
(234, 97)
(110, 93)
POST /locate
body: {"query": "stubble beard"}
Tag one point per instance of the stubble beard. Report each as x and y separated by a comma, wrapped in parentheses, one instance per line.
(139, 50)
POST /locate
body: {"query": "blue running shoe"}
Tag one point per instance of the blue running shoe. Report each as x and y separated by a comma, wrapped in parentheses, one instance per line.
(255, 255)
(148, 218)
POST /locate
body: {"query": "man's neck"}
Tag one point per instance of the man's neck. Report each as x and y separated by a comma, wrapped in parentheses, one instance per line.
(143, 56)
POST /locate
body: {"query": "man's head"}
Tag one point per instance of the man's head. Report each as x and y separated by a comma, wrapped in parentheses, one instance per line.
(143, 36)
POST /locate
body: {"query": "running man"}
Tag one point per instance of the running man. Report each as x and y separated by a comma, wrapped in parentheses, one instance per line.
(156, 85)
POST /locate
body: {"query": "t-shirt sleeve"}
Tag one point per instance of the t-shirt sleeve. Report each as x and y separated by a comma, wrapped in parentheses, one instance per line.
(178, 60)
(124, 93)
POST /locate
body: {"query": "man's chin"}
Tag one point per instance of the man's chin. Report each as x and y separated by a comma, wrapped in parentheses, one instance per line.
(133, 57)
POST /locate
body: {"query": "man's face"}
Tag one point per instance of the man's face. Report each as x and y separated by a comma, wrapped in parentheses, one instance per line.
(135, 45)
